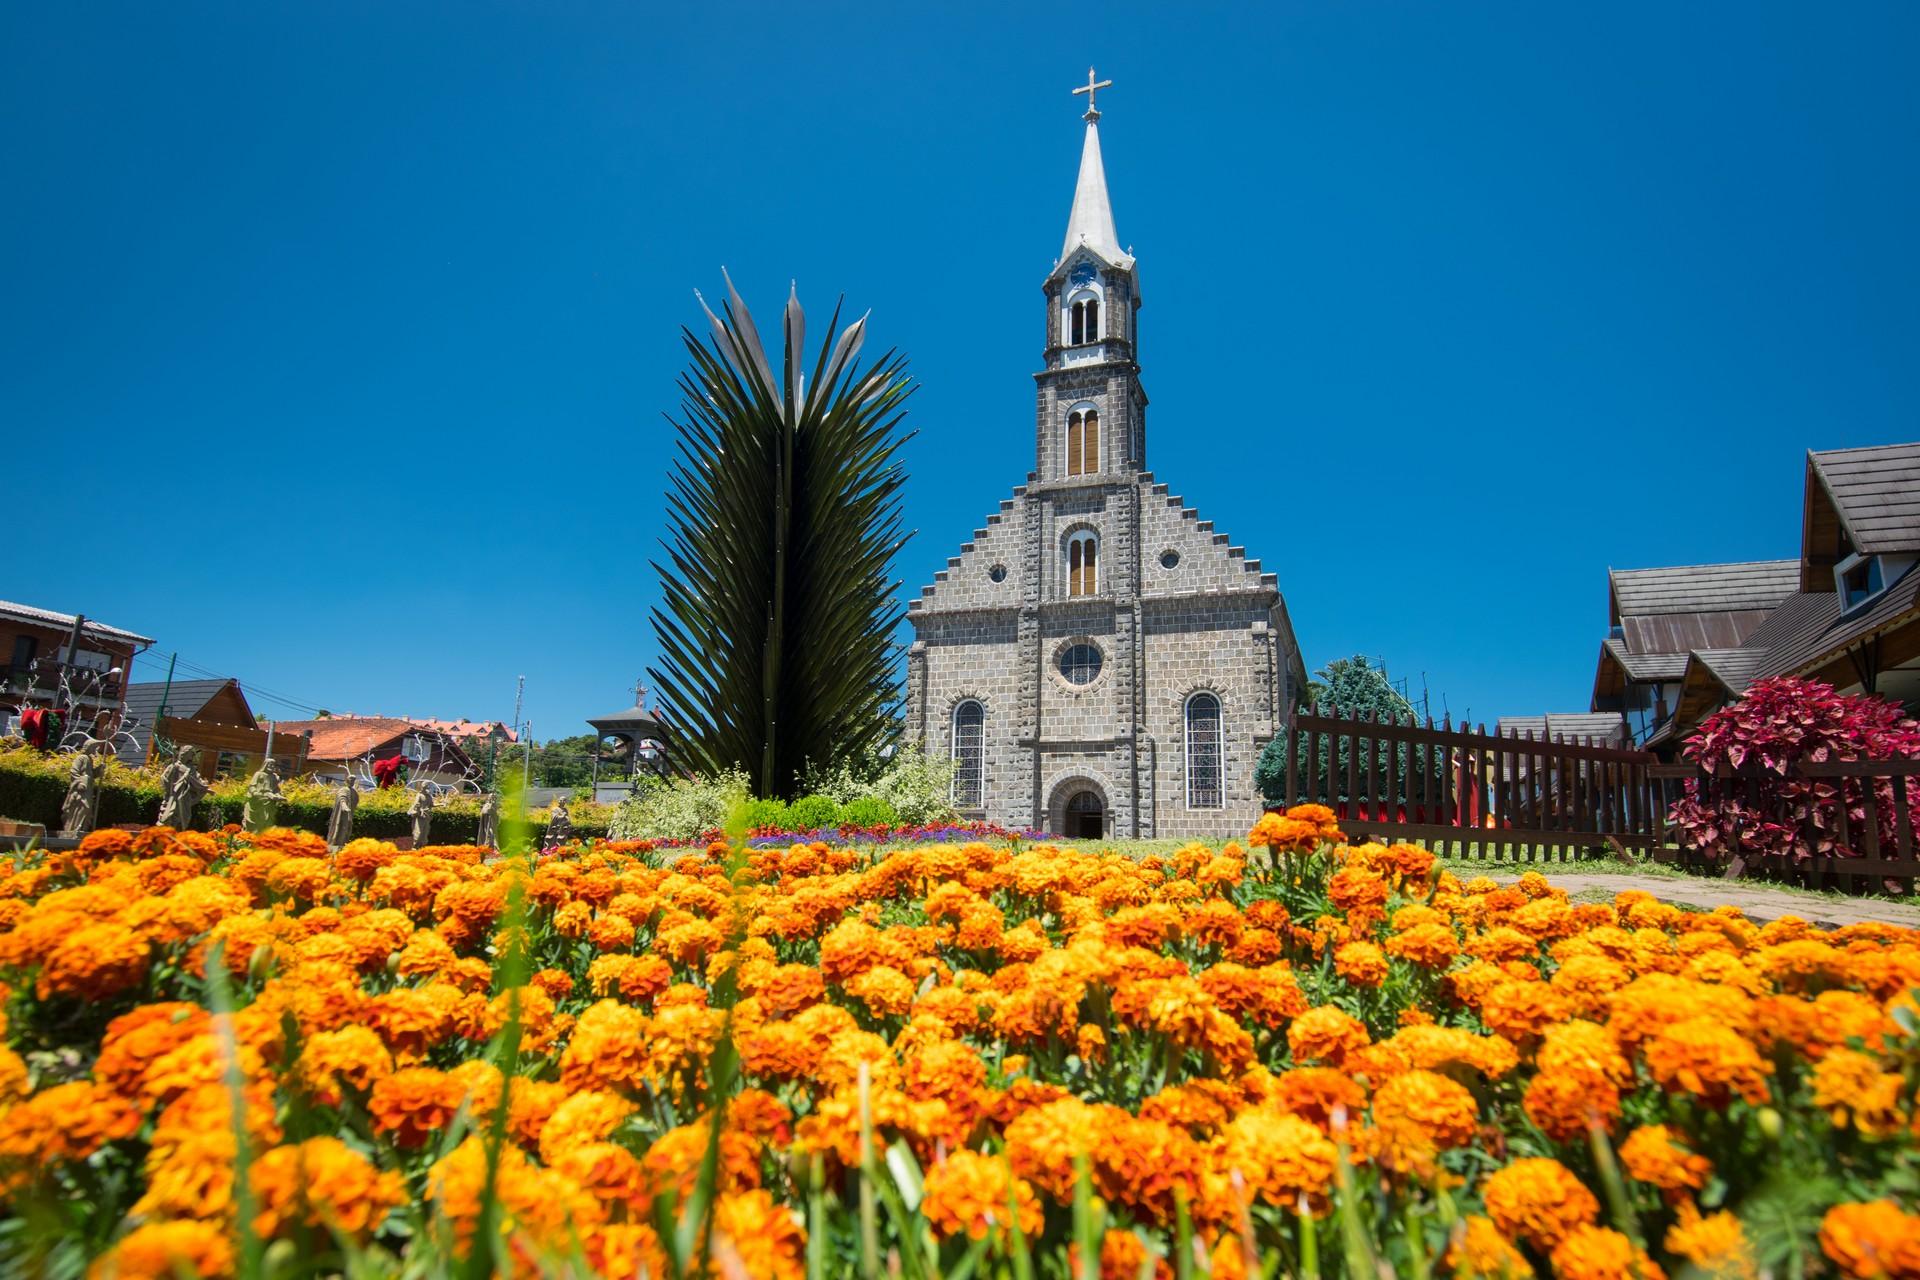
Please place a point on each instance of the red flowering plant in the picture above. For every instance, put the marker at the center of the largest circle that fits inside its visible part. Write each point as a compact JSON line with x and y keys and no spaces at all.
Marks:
{"x":1769,"y":809}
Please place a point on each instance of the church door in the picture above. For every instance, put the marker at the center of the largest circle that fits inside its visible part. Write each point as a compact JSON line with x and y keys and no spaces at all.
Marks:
{"x":1086,"y":817}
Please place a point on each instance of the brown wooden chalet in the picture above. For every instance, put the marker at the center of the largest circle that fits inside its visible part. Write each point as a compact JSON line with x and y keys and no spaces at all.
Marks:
{"x":210,"y":716}
{"x":1657,"y":619}
{"x":1852,"y":618}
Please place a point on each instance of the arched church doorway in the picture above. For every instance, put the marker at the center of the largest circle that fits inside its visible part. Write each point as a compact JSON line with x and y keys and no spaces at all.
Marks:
{"x":1086,"y":816}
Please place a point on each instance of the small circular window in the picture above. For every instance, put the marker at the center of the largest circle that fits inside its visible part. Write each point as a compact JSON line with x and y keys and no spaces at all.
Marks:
{"x":1169,"y":558}
{"x":998,"y":573}
{"x":1080,"y":663}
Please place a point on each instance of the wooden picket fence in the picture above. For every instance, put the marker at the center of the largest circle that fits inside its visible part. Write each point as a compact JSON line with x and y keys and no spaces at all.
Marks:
{"x":1885,"y":859}
{"x":1477,"y":793}
{"x":1530,"y":796}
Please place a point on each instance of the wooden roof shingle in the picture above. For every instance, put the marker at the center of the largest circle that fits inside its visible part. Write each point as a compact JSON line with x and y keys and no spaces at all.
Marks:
{"x":1702,"y":588}
{"x":1877,"y":493}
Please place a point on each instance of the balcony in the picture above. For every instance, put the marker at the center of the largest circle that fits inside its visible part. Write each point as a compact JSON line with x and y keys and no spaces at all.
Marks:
{"x":87,"y":686}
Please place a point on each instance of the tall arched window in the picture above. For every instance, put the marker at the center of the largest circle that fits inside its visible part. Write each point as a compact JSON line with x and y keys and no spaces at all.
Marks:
{"x":1205,"y":789}
{"x":969,"y":755}
{"x":1083,"y":564}
{"x":1083,"y":442}
{"x":1083,"y":321}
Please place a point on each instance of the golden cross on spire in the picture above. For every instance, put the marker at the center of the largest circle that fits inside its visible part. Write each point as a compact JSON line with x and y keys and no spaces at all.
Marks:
{"x":1088,"y":89}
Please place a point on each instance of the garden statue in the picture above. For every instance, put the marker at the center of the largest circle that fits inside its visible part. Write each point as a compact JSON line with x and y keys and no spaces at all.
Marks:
{"x":181,"y":787}
{"x":489,"y":833}
{"x":421,"y":811}
{"x":82,"y":805}
{"x":346,"y":798}
{"x":559,"y":822}
{"x":263,"y":798}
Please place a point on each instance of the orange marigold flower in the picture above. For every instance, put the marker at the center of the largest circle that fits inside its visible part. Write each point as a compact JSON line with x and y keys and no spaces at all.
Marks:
{"x":1424,"y":1110}
{"x":1564,"y":1106}
{"x":166,"y":1251}
{"x":1872,"y":1241}
{"x":1651,"y":1154}
{"x":413,"y":1104}
{"x":1361,"y":963}
{"x":1326,"y":1034}
{"x":1601,"y":1253}
{"x":95,"y":962}
{"x":1851,"y":1087}
{"x":1716,"y":1244}
{"x":588,"y":1116}
{"x":976,"y":1194}
{"x":322,"y":1182}
{"x":1479,"y":1250}
{"x":1315,"y":1094}
{"x":1281,"y":1157}
{"x":1539,"y":1201}
{"x":1708,"y":1059}
{"x":765,"y":1237}
{"x":332,"y":1062}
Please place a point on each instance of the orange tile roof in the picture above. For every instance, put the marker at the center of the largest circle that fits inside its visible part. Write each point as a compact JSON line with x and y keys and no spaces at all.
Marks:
{"x":348,"y":737}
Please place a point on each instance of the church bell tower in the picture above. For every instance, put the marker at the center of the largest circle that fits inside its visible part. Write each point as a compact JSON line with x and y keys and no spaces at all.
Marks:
{"x":1091,"y":421}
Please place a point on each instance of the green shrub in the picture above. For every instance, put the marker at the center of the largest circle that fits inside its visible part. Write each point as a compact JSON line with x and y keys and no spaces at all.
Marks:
{"x":762,"y":812}
{"x":813,"y":813}
{"x":32,"y":785}
{"x":679,"y":809}
{"x":916,"y":785}
{"x":868,"y":811}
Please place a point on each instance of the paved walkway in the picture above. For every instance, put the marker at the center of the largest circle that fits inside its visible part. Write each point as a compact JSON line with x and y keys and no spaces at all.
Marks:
{"x":1758,"y":901}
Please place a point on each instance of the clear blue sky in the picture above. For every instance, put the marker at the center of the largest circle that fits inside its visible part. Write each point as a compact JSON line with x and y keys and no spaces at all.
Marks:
{"x":335,"y":338}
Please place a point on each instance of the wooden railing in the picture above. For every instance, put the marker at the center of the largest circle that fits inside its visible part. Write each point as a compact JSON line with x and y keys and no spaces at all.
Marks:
{"x":1513,"y":795}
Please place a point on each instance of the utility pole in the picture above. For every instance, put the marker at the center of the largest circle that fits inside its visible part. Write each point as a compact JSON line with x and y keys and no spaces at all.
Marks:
{"x":153,"y":739}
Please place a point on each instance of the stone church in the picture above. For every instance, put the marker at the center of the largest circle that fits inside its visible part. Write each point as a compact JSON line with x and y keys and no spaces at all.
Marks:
{"x":1097,"y":660}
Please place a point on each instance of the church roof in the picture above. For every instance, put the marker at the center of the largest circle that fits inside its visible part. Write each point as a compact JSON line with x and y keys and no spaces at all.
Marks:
{"x":1091,"y":222}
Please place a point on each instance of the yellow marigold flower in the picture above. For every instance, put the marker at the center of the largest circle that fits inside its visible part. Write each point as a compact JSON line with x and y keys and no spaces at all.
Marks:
{"x":1424,"y":1110}
{"x":1601,"y":1253}
{"x":975,"y":1194}
{"x":166,"y":1251}
{"x":1539,"y":1201}
{"x":887,"y":992}
{"x":1872,"y":1241}
{"x":1652,"y":1155}
{"x":1565,"y":1106}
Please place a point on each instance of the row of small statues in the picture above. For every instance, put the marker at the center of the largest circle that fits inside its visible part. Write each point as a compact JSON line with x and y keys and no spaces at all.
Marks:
{"x":182,"y":787}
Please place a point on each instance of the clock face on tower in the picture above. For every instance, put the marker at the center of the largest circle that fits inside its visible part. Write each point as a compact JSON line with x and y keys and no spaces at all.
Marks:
{"x":1082,"y":274}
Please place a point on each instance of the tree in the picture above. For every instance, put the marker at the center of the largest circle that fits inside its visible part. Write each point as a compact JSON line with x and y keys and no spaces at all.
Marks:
{"x":775,"y":628}
{"x":1346,"y":687}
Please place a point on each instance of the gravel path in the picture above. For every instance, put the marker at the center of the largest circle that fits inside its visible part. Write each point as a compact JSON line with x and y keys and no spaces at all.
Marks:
{"x":1757,"y":901}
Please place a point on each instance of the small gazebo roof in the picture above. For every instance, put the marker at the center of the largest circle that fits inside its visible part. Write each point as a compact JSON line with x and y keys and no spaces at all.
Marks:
{"x":637,"y":716}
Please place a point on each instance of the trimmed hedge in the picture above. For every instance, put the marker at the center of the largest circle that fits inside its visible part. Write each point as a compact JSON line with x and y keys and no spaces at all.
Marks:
{"x":32,"y":785}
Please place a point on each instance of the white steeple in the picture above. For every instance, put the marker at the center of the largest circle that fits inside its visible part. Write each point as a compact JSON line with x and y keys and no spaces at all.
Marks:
{"x":1091,"y":222}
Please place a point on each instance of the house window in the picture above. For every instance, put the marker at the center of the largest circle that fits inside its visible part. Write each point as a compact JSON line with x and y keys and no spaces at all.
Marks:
{"x":1083,"y":441}
{"x":1204,"y":771}
{"x":969,"y":755}
{"x":1859,"y":579}
{"x":1080,"y":663}
{"x":1083,"y":564}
